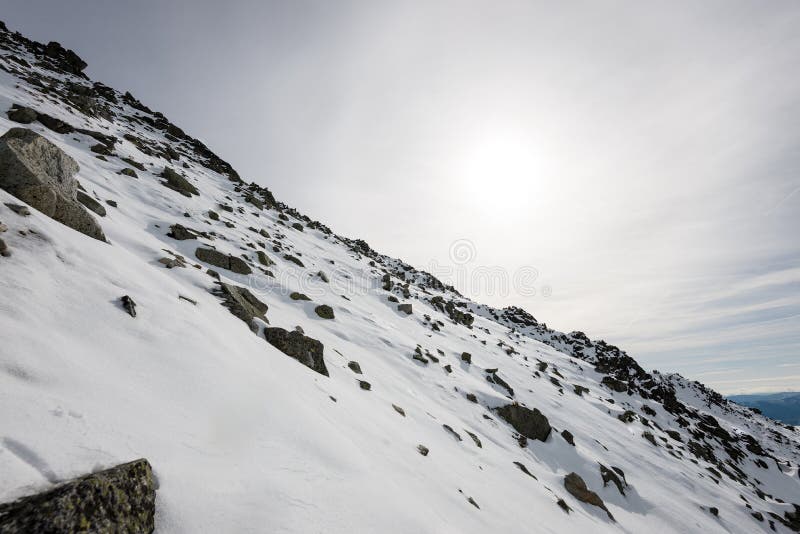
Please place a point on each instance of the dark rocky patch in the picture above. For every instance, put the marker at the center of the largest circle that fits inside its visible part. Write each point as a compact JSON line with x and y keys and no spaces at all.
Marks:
{"x":129,"y":305}
{"x":225,"y":261}
{"x":576,"y":487}
{"x":242,"y":303}
{"x":324,"y":311}
{"x":176,"y":182}
{"x":530,"y":423}
{"x":302,"y":348}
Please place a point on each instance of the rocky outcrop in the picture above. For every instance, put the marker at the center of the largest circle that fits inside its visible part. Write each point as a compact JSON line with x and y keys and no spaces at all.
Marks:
{"x":176,"y":182}
{"x":91,"y":203}
{"x":324,"y":311}
{"x":242,"y":303}
{"x":530,"y":423}
{"x":39,"y":173}
{"x":225,"y":261}
{"x":576,"y":487}
{"x":302,"y":348}
{"x":120,"y":499}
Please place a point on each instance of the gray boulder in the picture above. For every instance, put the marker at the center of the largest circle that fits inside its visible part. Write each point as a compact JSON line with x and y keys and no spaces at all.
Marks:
{"x":304,"y":349}
{"x":226,"y":261}
{"x":404,"y":308}
{"x":242,"y":303}
{"x":324,"y":311}
{"x":120,"y":499}
{"x":39,"y":173}
{"x":178,"y":183}
{"x":91,"y":203}
{"x":576,"y":487}
{"x":21,"y":114}
{"x":530,"y":423}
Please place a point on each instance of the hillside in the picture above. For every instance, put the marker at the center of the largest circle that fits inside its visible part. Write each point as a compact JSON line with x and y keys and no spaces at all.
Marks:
{"x":282,"y":378}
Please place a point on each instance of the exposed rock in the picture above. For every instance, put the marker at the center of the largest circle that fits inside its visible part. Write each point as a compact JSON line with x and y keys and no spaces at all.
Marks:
{"x":64,"y":59}
{"x":129,"y":305}
{"x":304,"y":349}
{"x":423,"y":450}
{"x":324,"y":311}
{"x":242,"y":303}
{"x":298,"y":227}
{"x":399,"y":410}
{"x":55,"y":124}
{"x":466,"y":357}
{"x":120,"y":499}
{"x":524,"y":469}
{"x":39,"y":173}
{"x":91,"y":203}
{"x":614,"y":384}
{"x":405,"y":308}
{"x":363,"y":384}
{"x":472,"y":398}
{"x":649,"y":437}
{"x":19,"y":209}
{"x":21,"y":114}
{"x":213,"y":215}
{"x":579,"y":390}
{"x":613,"y":475}
{"x":567,"y":435}
{"x":474,"y":438}
{"x":182,"y":233}
{"x":627,"y":416}
{"x":452,"y":432}
{"x":563,"y":505}
{"x":4,"y":250}
{"x":293,"y":259}
{"x":530,"y":423}
{"x":294,"y":295}
{"x":225,"y":261}
{"x":714,"y":511}
{"x":176,"y":182}
{"x":575,"y":485}
{"x":263,"y":259}
{"x":355,"y":367}
{"x":322,"y":276}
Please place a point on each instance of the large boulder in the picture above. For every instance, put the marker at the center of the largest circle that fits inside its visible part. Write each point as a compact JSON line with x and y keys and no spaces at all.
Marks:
{"x":39,"y":173}
{"x":530,"y":423}
{"x":120,"y":499}
{"x":242,"y":303}
{"x":302,"y":348}
{"x":178,"y":183}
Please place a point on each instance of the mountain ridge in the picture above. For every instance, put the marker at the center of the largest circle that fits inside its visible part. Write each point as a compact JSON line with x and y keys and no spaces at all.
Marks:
{"x":110,"y":132}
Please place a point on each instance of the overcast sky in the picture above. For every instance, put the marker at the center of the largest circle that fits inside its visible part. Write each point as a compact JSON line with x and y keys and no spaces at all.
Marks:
{"x":633,"y":166}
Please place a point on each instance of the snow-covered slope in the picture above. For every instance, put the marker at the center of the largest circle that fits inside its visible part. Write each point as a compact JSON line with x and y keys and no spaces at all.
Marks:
{"x":244,"y":438}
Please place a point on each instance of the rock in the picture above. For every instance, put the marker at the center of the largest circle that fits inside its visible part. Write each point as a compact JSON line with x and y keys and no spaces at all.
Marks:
{"x":213,"y":215}
{"x":298,"y":227}
{"x":423,"y":450}
{"x":19,"y":209}
{"x":405,"y":308}
{"x":103,"y":150}
{"x":65,"y":59}
{"x":524,"y":469}
{"x":182,"y":233}
{"x":127,"y":171}
{"x":91,"y":203}
{"x":614,"y":384}
{"x":363,"y":384}
{"x":649,"y":437}
{"x":563,"y":505}
{"x":242,"y":303}
{"x":3,"y":228}
{"x":579,"y":390}
{"x":473,"y":503}
{"x":399,"y":410}
{"x":355,"y":367}
{"x":176,"y":182}
{"x":627,"y":417}
{"x":448,"y":368}
{"x":129,"y":305}
{"x":613,"y":475}
{"x":21,"y":114}
{"x":293,"y":259}
{"x":530,"y":423}
{"x":225,"y":261}
{"x":575,"y":485}
{"x":39,"y":173}
{"x":304,"y":349}
{"x":466,"y":357}
{"x":474,"y":438}
{"x":263,"y":259}
{"x":452,"y":432}
{"x":4,"y":251}
{"x":112,"y":203}
{"x":472,"y":398}
{"x":392,"y":298}
{"x":54,"y":124}
{"x":714,"y":511}
{"x":567,"y":435}
{"x":324,"y":311}
{"x":294,"y":295}
{"x":120,"y":499}
{"x":323,"y":277}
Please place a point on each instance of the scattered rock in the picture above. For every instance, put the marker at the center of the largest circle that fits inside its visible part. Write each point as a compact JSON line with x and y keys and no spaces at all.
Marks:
{"x":298,"y":227}
{"x":579,"y":390}
{"x":176,"y":182}
{"x":575,"y":485}
{"x":567,"y":435}
{"x":293,"y":259}
{"x":129,"y":305}
{"x":472,"y":398}
{"x":127,"y":171}
{"x":182,"y":233}
{"x":525,"y":470}
{"x":627,"y":417}
{"x":294,"y":295}
{"x":242,"y":303}
{"x":225,"y":261}
{"x":473,"y":503}
{"x":19,"y":209}
{"x":39,"y":173}
{"x":714,"y":511}
{"x":563,"y":505}
{"x":304,"y":349}
{"x":91,"y":203}
{"x":613,"y":475}
{"x":363,"y":384}
{"x":324,"y":277}
{"x":324,"y":311}
{"x":466,"y":357}
{"x":120,"y":499}
{"x":112,"y":203}
{"x":649,"y":437}
{"x":474,"y":438}
{"x":405,"y":308}
{"x":452,"y":432}
{"x":530,"y":423}
{"x":263,"y":259}
{"x":355,"y":367}
{"x":21,"y":114}
{"x":213,"y":215}
{"x":399,"y":410}
{"x":423,"y":450}
{"x":4,"y":250}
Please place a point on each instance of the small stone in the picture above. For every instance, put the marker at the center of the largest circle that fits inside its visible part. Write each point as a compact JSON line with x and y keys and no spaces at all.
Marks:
{"x":423,"y":450}
{"x":21,"y":114}
{"x":111,"y":203}
{"x":466,"y":357}
{"x":399,"y":410}
{"x":127,"y":171}
{"x":714,"y":511}
{"x":294,"y":295}
{"x":567,"y":435}
{"x":363,"y":384}
{"x":4,"y":251}
{"x":213,"y":215}
{"x":129,"y":305}
{"x":19,"y":209}
{"x":472,"y":398}
{"x":355,"y":367}
{"x":405,"y":308}
{"x":324,"y":311}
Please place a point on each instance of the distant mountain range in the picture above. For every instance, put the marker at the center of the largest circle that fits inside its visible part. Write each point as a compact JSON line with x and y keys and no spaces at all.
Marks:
{"x":779,"y":406}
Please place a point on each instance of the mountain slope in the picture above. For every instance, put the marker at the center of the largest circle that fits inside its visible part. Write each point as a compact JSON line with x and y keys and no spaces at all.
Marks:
{"x":244,"y":438}
{"x":779,"y":406}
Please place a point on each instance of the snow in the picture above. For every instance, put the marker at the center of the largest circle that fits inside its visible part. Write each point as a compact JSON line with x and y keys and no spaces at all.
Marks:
{"x":243,"y":438}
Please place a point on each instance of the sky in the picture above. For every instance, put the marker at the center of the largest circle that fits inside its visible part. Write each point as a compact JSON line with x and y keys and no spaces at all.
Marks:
{"x":629,"y":169}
